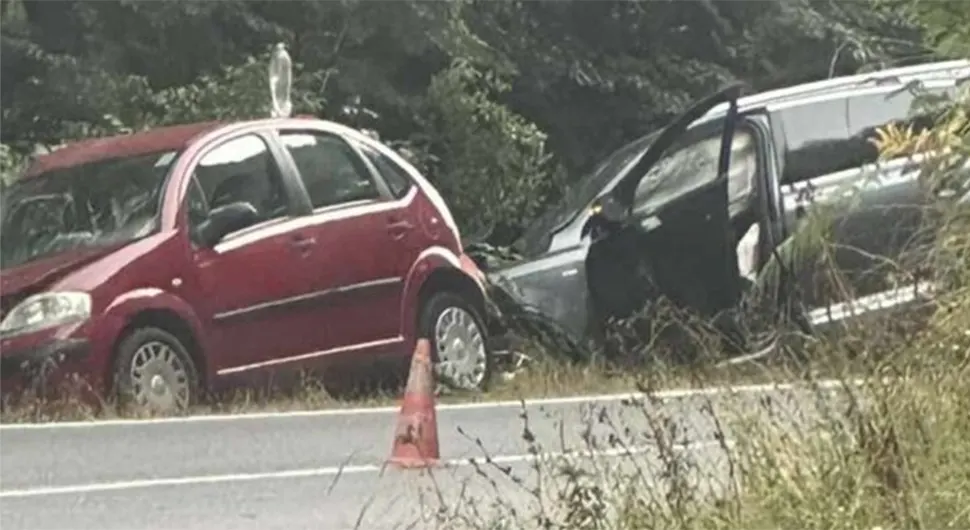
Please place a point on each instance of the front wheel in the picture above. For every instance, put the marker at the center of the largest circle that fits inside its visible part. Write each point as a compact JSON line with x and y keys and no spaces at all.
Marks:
{"x":459,"y":343}
{"x":154,"y":372}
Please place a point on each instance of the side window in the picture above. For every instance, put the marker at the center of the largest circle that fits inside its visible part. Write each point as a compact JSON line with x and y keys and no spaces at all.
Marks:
{"x":817,"y":136}
{"x":331,"y":171}
{"x":873,"y":111}
{"x":695,"y":164}
{"x":198,"y":206}
{"x":240,"y":170}
{"x":824,"y":138}
{"x":394,"y":175}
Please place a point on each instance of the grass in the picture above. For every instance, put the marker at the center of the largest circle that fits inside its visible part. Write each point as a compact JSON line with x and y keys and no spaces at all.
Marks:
{"x":890,"y":454}
{"x":540,"y":380}
{"x":543,"y":378}
{"x":894,"y":454}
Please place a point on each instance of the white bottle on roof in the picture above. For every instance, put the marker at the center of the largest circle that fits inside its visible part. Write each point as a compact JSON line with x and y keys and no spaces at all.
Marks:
{"x":280,"y":81}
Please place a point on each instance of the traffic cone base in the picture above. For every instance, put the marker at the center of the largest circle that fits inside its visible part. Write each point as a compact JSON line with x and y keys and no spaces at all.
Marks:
{"x":416,"y":435}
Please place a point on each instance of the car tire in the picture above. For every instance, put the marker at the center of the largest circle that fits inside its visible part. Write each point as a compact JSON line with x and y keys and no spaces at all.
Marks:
{"x":451,"y":323}
{"x":154,"y":372}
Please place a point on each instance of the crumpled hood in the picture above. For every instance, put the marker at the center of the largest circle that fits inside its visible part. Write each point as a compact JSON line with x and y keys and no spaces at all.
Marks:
{"x":35,"y":276}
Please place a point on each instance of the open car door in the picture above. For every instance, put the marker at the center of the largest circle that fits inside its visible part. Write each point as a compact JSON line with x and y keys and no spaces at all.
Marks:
{"x":680,"y":246}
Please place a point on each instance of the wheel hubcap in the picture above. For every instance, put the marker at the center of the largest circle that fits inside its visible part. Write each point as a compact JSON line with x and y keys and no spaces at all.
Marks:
{"x":158,"y":385}
{"x":461,"y":349}
{"x":159,"y":378}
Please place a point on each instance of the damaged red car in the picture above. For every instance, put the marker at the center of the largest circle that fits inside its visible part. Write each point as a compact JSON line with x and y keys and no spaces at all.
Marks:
{"x":160,"y":264}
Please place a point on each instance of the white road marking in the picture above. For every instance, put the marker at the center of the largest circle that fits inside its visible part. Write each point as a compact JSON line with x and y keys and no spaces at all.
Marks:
{"x":824,"y":384}
{"x":330,"y":471}
{"x":881,"y":301}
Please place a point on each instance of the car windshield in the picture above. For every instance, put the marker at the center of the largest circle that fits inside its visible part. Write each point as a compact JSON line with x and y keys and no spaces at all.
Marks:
{"x":577,"y":197}
{"x":88,"y":206}
{"x":692,"y":164}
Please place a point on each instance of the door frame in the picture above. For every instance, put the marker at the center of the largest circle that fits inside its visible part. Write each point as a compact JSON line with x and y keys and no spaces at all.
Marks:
{"x":616,"y":206}
{"x":622,"y":194}
{"x":293,"y":219}
{"x":385,"y":204}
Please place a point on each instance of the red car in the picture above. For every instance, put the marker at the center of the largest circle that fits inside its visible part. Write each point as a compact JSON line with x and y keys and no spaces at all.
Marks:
{"x":158,"y":264}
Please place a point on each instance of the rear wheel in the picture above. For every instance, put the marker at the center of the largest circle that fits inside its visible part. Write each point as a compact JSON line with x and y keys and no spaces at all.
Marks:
{"x":154,"y":372}
{"x":459,"y":347}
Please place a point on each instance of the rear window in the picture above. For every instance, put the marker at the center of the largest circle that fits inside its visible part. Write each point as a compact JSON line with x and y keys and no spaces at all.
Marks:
{"x":831,"y":136}
{"x":394,"y":175}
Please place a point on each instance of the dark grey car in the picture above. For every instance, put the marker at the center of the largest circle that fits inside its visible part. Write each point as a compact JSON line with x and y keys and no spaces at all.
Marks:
{"x":668,"y":213}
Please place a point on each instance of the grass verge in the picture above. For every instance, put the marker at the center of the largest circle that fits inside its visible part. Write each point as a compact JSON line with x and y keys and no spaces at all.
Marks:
{"x":894,"y":454}
{"x":543,"y":378}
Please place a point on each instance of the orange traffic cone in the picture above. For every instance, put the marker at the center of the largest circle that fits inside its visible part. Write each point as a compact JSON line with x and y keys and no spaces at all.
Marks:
{"x":416,"y":435}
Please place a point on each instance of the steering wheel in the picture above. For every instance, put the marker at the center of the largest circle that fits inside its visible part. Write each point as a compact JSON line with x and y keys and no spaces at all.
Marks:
{"x":36,"y":239}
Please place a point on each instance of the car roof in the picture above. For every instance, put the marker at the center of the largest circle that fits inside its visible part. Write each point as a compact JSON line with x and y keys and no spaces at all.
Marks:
{"x":169,"y":138}
{"x":958,"y":70}
{"x":953,"y":71}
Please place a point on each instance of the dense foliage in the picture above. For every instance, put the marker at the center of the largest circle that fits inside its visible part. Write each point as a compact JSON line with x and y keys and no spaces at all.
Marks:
{"x":501,"y":102}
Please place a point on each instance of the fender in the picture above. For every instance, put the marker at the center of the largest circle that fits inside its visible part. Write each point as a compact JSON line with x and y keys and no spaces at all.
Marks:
{"x":122,"y":309}
{"x":429,"y":261}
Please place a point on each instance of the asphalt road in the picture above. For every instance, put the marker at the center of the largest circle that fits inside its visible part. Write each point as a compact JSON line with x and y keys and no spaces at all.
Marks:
{"x":326,"y":469}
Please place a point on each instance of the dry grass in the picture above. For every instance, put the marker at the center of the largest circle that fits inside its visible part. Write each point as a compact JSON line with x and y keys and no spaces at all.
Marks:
{"x":540,"y":380}
{"x":892,"y":453}
{"x":543,"y":378}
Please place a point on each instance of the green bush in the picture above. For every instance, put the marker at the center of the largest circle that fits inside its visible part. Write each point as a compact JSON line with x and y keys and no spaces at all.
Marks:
{"x":490,"y":164}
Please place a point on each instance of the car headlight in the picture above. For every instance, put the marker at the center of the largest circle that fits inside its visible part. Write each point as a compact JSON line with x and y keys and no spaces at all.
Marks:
{"x":46,"y":310}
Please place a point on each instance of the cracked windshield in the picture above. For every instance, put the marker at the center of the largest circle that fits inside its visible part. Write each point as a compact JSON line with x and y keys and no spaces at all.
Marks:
{"x":83,"y":207}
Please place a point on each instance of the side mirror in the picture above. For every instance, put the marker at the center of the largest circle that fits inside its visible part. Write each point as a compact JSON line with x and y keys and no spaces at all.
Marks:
{"x":226,"y":219}
{"x":606,"y":215}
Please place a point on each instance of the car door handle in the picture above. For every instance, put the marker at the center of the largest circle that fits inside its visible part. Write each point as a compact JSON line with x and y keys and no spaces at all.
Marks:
{"x":303,"y":243}
{"x":397,"y":229}
{"x":399,"y":225}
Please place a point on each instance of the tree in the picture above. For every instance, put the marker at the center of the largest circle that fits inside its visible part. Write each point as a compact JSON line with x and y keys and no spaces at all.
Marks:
{"x":556,"y":83}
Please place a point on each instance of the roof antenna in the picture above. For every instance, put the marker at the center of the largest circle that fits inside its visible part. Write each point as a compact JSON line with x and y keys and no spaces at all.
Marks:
{"x":280,"y":81}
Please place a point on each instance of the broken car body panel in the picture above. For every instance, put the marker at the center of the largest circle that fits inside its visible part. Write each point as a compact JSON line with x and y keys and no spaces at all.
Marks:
{"x":542,"y":282}
{"x":639,"y":253}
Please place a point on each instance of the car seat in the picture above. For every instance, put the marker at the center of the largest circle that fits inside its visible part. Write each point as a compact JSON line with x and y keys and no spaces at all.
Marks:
{"x":241,"y":187}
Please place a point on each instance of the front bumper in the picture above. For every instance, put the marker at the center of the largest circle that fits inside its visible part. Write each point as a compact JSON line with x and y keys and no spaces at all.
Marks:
{"x":50,"y":354}
{"x":494,"y":319}
{"x":42,"y":361}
